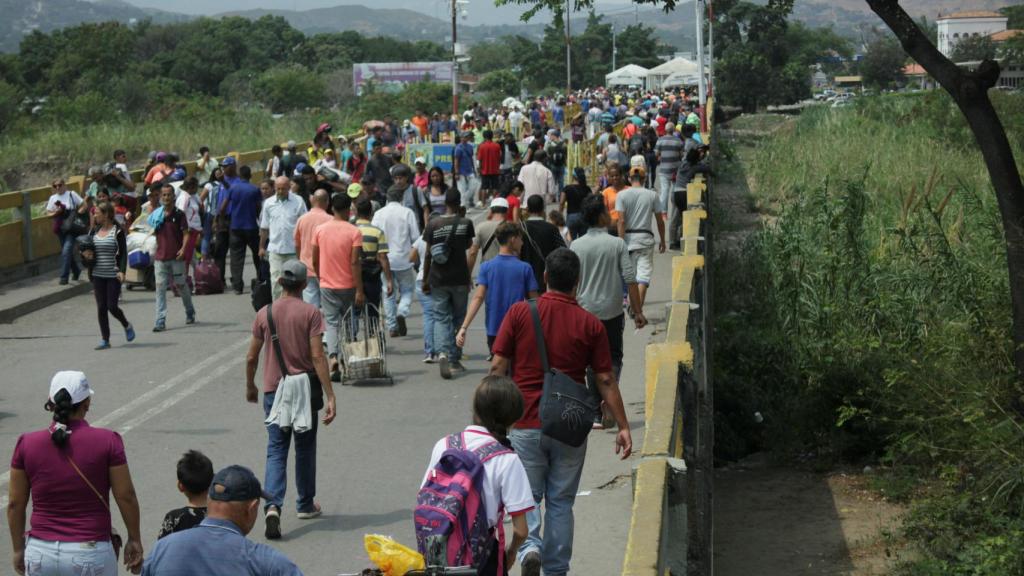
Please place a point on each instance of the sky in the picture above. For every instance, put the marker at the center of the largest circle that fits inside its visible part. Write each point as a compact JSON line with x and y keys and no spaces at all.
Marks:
{"x":478,"y":11}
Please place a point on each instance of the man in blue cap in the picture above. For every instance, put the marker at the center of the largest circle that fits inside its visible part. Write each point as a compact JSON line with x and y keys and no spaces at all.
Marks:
{"x":218,"y":546}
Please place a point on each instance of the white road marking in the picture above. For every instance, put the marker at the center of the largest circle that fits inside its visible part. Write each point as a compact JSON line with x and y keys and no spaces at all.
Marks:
{"x":228,"y":364}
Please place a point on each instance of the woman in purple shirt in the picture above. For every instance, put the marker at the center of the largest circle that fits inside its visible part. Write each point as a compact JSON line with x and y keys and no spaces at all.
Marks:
{"x":69,"y":470}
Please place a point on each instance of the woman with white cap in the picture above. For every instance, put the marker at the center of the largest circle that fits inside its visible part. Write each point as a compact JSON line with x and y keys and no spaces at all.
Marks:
{"x":69,"y":470}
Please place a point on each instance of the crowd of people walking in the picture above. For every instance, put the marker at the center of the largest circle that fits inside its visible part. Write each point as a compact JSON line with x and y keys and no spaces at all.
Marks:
{"x":560,"y":260}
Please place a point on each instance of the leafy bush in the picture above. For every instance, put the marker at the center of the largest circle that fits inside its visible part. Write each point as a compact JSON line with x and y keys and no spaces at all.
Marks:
{"x":9,"y":102}
{"x":290,"y":88}
{"x":871,"y":320}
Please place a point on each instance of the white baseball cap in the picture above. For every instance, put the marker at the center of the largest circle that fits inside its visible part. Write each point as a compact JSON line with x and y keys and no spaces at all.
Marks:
{"x":74,"y":382}
{"x":499,"y":203}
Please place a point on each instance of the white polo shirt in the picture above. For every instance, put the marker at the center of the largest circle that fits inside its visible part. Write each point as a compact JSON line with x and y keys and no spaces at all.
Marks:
{"x":279,"y":218}
{"x":506,"y":485}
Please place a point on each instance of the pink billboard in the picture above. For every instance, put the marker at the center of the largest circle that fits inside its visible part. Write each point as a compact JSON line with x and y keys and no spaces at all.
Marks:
{"x":393,"y":76}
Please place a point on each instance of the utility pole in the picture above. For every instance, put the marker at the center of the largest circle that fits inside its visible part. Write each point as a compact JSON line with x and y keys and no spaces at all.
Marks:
{"x":701,"y":86}
{"x":711,"y":49}
{"x":455,"y":56}
{"x":568,"y":49}
{"x":614,"y":49}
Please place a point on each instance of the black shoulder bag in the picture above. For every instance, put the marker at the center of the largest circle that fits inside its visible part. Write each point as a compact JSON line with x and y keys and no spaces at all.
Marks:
{"x":566,"y":411}
{"x":316,"y":390}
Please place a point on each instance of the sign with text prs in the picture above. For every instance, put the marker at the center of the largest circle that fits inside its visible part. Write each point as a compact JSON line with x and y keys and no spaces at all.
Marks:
{"x":394,"y":76}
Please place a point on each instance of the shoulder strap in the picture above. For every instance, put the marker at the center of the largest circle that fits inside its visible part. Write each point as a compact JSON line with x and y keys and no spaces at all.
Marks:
{"x":533,"y":245}
{"x":488,"y":243}
{"x":538,"y":334}
{"x":94,"y":490}
{"x":455,"y":441}
{"x":492,"y":449}
{"x":274,"y":339}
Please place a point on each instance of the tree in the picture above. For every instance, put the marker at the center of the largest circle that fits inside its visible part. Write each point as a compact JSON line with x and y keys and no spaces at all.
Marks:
{"x":500,"y":83}
{"x":290,"y":88}
{"x":883,"y":63}
{"x":973,"y":49}
{"x":638,"y":44}
{"x":1015,"y":15}
{"x":9,"y":101}
{"x":969,"y":90}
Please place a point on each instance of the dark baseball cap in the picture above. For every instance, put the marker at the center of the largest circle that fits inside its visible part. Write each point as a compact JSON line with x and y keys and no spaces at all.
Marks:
{"x":236,"y":484}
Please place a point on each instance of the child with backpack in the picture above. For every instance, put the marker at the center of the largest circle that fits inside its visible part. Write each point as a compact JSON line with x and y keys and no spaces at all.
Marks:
{"x":473,"y":480}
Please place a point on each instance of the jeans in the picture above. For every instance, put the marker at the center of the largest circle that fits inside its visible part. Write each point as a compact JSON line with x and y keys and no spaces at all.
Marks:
{"x":449,"y":311}
{"x":68,"y":263}
{"x":46,"y":558}
{"x":240,"y":240}
{"x":577,"y":227}
{"x":404,"y":283}
{"x":165,"y":270}
{"x":107,"y":291}
{"x":275,"y":482}
{"x":467,"y":189}
{"x":559,"y":173}
{"x":311,"y":295}
{"x":664,"y":182}
{"x":276,"y":263}
{"x":554,"y":470}
{"x":335,"y":304}
{"x":427,"y":304}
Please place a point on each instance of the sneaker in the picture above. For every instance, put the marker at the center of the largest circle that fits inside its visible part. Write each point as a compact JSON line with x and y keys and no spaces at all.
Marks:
{"x":457,"y":366}
{"x":75,"y":276}
{"x":531,"y":564}
{"x":273,"y":521}
{"x":446,"y":369}
{"x":401,"y":326}
{"x":429,"y":359}
{"x":190,"y":319}
{"x":314,"y":513}
{"x":393,"y":333}
{"x":129,"y":333}
{"x":160,"y":327}
{"x":103,"y":345}
{"x":63,"y":281}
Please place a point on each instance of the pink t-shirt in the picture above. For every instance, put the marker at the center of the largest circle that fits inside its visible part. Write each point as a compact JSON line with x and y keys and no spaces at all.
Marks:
{"x":64,"y":508}
{"x":336,"y":240}
{"x":304,"y":229}
{"x":296,"y":323}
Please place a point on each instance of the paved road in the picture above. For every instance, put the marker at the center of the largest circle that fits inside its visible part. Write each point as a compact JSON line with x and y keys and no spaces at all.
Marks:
{"x":184,"y":388}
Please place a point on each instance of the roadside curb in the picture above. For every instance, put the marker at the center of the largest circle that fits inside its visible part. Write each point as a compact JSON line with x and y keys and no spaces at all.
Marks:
{"x":11,"y":313}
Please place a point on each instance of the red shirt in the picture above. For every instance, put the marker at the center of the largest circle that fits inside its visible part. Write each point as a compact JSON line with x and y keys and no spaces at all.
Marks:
{"x":513,"y":206}
{"x":171,"y":235}
{"x":662,"y":121}
{"x":64,"y":508}
{"x":489,"y":153}
{"x":296,"y":323}
{"x":575,"y":340}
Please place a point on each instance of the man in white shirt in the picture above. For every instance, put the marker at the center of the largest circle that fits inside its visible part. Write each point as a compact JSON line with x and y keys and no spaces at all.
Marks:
{"x":637,"y":206}
{"x":515,"y":121}
{"x":188,"y":202}
{"x":401,"y":229}
{"x":278,"y":218}
{"x":537,"y":179}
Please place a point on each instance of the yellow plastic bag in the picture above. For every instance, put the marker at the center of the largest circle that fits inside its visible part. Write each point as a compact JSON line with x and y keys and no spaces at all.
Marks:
{"x":392,"y":558}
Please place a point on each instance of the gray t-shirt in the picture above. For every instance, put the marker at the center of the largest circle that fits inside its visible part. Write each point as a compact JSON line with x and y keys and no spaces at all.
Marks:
{"x":604,"y":265}
{"x":484,"y":232}
{"x":636,"y":207}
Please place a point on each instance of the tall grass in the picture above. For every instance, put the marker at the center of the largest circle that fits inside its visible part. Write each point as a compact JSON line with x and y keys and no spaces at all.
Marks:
{"x":871,"y":321}
{"x":45,"y":151}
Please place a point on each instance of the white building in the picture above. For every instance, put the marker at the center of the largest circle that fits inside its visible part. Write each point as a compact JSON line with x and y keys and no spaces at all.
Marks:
{"x":959,"y":25}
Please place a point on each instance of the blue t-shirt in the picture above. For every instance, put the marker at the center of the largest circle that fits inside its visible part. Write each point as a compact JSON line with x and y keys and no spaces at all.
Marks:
{"x":215,"y":548}
{"x":244,"y":202}
{"x":508,"y":280}
{"x":559,"y":114}
{"x":464,"y":152}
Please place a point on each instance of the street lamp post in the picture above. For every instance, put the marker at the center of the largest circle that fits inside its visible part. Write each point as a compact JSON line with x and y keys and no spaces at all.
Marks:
{"x":455,"y":56}
{"x":568,"y":49}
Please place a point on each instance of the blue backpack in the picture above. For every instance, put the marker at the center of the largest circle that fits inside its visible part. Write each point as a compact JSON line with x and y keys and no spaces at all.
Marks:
{"x":450,"y":515}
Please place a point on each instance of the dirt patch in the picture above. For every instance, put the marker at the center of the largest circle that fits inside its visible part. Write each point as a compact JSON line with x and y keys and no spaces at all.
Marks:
{"x":784,"y":521}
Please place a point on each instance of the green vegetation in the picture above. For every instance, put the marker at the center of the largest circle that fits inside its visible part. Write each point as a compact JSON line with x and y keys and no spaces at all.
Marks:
{"x":870,"y":321}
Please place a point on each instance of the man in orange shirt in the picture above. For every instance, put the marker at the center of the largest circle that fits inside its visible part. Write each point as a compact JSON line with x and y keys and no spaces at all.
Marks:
{"x":337,"y":255}
{"x":615,"y":184}
{"x":420,"y":121}
{"x":304,"y":230}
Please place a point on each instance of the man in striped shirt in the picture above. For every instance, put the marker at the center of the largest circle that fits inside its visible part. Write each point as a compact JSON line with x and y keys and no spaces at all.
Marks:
{"x":669,"y":150}
{"x":375,"y":257}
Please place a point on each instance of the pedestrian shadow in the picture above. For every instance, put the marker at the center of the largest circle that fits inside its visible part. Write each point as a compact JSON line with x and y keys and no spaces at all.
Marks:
{"x":349,"y":522}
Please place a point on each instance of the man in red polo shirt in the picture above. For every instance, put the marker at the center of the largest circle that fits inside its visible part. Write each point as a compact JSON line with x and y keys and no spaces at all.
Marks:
{"x":576,"y":340}
{"x":489,"y":154}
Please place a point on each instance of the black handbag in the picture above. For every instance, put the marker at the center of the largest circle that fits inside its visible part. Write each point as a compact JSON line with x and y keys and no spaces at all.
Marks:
{"x":566,"y":411}
{"x":75,"y":224}
{"x":316,"y":389}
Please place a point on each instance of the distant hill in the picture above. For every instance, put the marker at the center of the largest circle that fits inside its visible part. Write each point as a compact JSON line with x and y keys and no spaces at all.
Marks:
{"x":21,"y":17}
{"x":847,"y":16}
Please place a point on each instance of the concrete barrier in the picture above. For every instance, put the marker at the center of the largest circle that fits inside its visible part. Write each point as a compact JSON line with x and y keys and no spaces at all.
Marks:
{"x":670,"y":527}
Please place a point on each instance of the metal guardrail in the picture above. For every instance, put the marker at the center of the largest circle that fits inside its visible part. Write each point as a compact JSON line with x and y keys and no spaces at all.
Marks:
{"x":671,"y":526}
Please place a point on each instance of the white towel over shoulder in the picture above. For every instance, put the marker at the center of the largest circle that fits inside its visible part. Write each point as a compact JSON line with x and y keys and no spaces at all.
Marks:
{"x":292,"y":407}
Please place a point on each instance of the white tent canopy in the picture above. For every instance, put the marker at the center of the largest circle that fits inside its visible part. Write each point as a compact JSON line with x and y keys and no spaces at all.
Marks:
{"x":628,"y":75}
{"x":677,"y":79}
{"x":680,"y":68}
